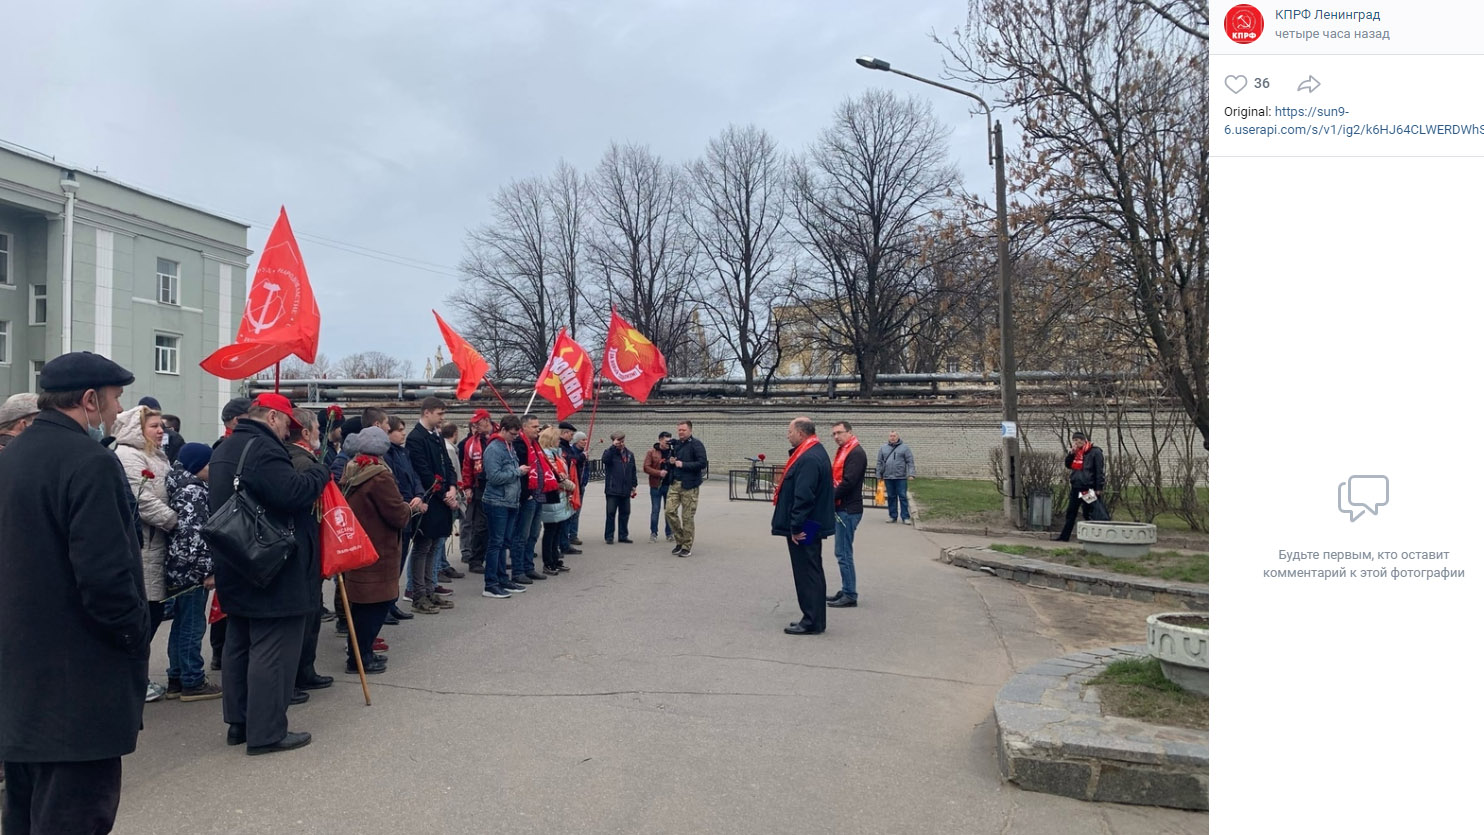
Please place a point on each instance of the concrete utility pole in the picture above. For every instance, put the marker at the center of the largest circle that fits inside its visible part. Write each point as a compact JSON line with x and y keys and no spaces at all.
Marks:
{"x":1007,"y":324}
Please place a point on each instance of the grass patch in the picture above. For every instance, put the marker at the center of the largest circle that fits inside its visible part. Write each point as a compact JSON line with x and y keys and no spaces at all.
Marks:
{"x":976,"y":501}
{"x":1166,"y":565}
{"x":1135,"y":688}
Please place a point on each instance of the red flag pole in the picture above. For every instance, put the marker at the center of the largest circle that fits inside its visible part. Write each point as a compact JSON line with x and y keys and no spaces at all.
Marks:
{"x":277,"y":366}
{"x":597,"y":384}
{"x":497,"y":394}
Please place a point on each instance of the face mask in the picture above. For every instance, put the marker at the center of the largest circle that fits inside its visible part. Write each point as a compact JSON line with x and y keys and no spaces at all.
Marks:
{"x":94,"y":432}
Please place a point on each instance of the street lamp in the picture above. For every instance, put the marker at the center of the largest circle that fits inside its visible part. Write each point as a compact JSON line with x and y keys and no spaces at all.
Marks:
{"x":1007,"y":330}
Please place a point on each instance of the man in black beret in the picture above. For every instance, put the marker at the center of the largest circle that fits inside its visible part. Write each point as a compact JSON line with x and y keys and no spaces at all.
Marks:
{"x":72,"y":582}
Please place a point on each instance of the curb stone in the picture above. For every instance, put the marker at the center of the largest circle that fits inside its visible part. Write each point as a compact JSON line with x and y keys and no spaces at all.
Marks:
{"x":1052,"y":737}
{"x":1052,"y":575}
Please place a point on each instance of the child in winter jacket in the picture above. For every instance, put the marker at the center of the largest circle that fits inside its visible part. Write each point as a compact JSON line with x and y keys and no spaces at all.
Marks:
{"x":189,"y":575}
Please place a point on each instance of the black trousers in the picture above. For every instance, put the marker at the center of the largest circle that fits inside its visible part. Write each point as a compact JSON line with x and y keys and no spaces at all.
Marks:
{"x":61,"y":798}
{"x":808,"y":568}
{"x":621,"y":507}
{"x":1095,"y":512}
{"x":218,"y":632}
{"x":308,"y":649}
{"x":258,"y":665}
{"x":368,"y":619}
{"x":551,"y":545}
{"x":473,"y":531}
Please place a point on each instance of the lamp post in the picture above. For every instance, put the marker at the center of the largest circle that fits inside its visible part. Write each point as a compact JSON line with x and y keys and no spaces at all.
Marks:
{"x":1007,"y":330}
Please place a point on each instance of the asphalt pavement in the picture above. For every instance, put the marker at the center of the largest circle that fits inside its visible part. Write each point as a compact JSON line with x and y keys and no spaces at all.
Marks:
{"x":642,"y":692}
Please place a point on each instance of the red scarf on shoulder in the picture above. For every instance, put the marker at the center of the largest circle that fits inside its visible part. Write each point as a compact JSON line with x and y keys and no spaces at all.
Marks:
{"x":838,"y":471}
{"x":799,"y":450}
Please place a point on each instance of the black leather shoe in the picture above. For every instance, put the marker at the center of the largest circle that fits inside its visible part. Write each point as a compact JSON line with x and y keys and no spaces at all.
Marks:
{"x":236,"y":734}
{"x":401,"y":615}
{"x":372,"y":667}
{"x":316,"y":683}
{"x":299,"y":697}
{"x":572,"y":551}
{"x":795,"y":629}
{"x":626,"y":539}
{"x":390,"y":620}
{"x":290,"y":741}
{"x":476,"y":568}
{"x":841,"y":603}
{"x":835,"y":596}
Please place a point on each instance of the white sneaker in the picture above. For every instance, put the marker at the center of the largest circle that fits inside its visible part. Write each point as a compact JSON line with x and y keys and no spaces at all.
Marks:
{"x":153,"y":692}
{"x":654,"y":538}
{"x":498,"y":595}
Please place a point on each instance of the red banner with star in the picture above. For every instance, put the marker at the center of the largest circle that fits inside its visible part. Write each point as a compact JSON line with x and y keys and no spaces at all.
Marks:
{"x":631,"y":360}
{"x":567,"y":380}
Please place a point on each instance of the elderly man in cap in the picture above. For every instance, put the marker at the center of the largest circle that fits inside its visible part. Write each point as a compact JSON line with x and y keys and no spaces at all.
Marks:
{"x":473,"y":530}
{"x":74,"y":625}
{"x":16,"y":415}
{"x":265,"y":625}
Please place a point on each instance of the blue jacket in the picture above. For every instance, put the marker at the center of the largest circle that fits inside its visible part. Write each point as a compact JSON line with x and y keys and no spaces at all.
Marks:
{"x":620,"y":478}
{"x":895,"y":462}
{"x":401,"y":465}
{"x":502,"y":478}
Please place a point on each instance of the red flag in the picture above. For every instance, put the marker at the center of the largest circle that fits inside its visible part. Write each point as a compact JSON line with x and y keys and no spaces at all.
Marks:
{"x":472,"y":366}
{"x":567,"y":379}
{"x":280,"y":317}
{"x":631,"y":360}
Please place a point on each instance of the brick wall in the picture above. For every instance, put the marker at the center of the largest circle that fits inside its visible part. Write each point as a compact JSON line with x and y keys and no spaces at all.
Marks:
{"x":948,"y":440}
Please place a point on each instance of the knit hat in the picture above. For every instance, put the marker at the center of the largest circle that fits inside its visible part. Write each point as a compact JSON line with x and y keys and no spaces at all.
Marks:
{"x":192,"y":457}
{"x":150,"y":402}
{"x":372,"y":441}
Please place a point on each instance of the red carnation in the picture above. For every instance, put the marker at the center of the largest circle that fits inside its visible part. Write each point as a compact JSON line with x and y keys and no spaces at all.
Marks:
{"x":366,"y":460}
{"x":147,"y":474}
{"x":761,"y":457}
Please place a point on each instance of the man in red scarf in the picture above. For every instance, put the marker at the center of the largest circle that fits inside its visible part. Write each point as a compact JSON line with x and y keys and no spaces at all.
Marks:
{"x":849,"y":473}
{"x":804,"y":511}
{"x":1087,"y":476}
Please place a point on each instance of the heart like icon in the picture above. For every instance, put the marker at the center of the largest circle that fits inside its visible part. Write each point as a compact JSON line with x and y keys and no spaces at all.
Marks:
{"x":1236,"y":83}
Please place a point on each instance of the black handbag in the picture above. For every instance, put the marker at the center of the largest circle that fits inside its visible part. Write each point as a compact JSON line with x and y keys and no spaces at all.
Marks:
{"x":243,"y":537}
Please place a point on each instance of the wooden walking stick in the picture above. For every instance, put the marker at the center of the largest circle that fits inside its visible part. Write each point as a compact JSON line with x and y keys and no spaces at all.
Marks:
{"x":355,"y":648}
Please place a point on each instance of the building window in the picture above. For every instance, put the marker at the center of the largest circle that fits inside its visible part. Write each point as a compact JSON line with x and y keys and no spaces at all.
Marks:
{"x":952,"y":365}
{"x":167,"y":274}
{"x":4,"y":343}
{"x":36,"y":366}
{"x":167,"y":353}
{"x":38,"y":304}
{"x":4,"y":258}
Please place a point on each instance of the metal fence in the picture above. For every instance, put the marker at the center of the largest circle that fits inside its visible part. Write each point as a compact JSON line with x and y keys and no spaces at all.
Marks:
{"x":756,"y":484}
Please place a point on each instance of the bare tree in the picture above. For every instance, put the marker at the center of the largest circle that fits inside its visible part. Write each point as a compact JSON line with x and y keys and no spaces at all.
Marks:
{"x":507,"y":302}
{"x":864,"y":195}
{"x":1114,"y":96}
{"x":642,"y":251}
{"x":736,"y":216}
{"x":373,"y":365}
{"x":566,"y":200}
{"x":293,"y":368}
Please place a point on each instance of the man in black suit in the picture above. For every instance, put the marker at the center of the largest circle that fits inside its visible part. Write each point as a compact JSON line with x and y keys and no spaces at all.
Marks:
{"x":804,"y":511}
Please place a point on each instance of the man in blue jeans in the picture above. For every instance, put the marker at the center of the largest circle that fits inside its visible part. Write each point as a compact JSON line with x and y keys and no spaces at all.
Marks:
{"x":849,"y":473}
{"x":658,"y":471}
{"x":528,"y":523}
{"x":503,"y":477}
{"x":894,"y":465}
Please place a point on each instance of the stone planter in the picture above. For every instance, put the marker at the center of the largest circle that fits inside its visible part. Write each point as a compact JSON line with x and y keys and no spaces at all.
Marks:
{"x":1117,"y":539}
{"x":1183,"y":650}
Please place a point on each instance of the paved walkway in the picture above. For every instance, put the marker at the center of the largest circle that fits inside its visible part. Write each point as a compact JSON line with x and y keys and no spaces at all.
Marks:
{"x":647,"y":693}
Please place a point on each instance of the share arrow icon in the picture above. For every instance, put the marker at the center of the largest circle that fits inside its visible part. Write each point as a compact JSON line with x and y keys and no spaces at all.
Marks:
{"x":1310,"y":84}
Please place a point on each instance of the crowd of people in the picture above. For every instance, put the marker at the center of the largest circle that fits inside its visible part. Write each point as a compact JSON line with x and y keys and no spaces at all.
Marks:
{"x":119,"y":514}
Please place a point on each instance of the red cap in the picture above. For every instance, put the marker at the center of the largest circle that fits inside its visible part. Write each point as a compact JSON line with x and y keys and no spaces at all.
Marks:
{"x":278,"y":403}
{"x":480,"y":414}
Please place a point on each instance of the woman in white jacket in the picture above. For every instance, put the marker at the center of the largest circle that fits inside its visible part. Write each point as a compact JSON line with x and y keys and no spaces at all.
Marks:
{"x":139,"y":436}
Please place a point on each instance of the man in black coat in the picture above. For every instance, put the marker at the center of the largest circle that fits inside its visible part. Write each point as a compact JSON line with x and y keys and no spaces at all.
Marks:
{"x":265,"y":626}
{"x":1086,"y":478}
{"x":804,"y":511}
{"x":620,"y":482}
{"x":434,"y":469}
{"x":687,"y":465}
{"x":74,"y":624}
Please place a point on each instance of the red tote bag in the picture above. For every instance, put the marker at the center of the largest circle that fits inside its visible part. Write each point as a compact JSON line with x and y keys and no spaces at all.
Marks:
{"x":343,"y":543}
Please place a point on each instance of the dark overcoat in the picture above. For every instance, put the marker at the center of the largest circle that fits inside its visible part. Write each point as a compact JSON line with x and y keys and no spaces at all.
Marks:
{"x":808,"y":492}
{"x":430,"y":461}
{"x":74,"y":624}
{"x":289,"y":496}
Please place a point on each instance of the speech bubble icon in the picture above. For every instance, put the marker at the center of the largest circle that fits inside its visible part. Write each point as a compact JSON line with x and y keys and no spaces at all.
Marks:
{"x":1363,"y":493}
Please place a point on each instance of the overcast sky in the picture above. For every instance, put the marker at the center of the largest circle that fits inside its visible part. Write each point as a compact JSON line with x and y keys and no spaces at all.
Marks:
{"x":388,"y":126}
